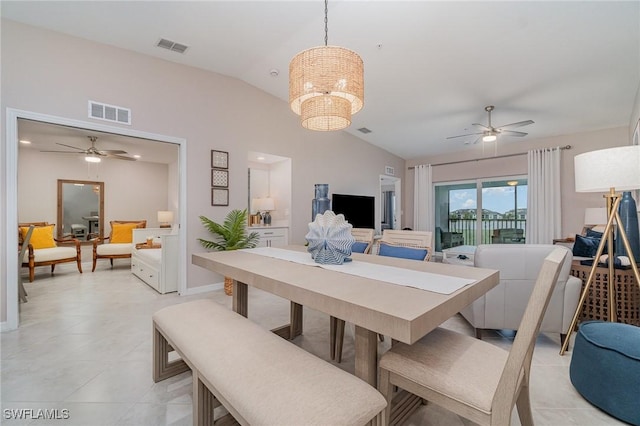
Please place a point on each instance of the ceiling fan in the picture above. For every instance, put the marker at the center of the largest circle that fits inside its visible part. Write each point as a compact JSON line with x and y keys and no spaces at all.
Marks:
{"x":93,"y":154}
{"x":490,"y":133}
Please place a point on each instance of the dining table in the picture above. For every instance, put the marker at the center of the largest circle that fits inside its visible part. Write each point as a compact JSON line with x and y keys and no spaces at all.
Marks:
{"x":399,"y":298}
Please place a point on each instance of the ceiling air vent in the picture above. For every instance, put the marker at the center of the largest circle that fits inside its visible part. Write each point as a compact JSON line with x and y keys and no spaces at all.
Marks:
{"x":364,"y":130}
{"x":172,"y":45}
{"x":111,"y":113}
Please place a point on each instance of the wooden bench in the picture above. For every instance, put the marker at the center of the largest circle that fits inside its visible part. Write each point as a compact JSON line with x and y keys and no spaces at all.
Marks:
{"x":260,"y":378}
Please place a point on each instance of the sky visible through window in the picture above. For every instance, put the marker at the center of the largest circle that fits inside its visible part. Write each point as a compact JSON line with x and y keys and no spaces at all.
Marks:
{"x":498,"y":199}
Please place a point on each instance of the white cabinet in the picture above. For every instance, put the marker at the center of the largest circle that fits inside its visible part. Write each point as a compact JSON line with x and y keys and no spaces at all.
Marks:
{"x":157,"y":267}
{"x":272,"y":236}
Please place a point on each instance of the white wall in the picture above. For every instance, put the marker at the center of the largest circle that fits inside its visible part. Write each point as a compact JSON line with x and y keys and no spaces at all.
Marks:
{"x":51,"y":73}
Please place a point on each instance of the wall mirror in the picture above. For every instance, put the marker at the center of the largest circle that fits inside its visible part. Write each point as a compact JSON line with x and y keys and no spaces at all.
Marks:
{"x":80,"y":209}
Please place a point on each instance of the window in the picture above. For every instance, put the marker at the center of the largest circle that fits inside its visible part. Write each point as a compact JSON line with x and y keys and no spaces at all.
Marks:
{"x":481,"y":212}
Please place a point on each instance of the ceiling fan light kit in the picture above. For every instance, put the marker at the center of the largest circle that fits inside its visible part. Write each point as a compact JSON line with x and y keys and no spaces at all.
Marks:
{"x":490,"y":133}
{"x":326,"y":85}
{"x":92,"y":159}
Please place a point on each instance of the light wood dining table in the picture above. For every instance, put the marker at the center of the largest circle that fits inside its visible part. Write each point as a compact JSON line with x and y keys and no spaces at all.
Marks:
{"x":375,"y":307}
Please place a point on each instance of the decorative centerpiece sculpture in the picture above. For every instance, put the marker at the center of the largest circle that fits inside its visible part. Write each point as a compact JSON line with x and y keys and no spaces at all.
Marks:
{"x":330,"y":239}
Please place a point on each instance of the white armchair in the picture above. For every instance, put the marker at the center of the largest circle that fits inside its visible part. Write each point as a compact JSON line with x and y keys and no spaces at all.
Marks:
{"x":519,"y":265}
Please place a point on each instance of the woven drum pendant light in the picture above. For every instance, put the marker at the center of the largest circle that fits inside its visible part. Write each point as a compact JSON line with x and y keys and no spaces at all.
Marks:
{"x":326,"y":85}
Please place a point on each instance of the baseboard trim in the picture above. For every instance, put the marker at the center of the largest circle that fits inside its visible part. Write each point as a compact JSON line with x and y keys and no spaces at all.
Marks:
{"x":204,"y":289}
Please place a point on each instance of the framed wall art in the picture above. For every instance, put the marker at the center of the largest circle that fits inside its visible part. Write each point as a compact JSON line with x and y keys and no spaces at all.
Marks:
{"x":219,"y":159}
{"x":219,"y":178}
{"x":219,"y":197}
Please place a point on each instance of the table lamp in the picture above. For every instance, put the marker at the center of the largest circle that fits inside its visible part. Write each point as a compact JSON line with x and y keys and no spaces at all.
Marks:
{"x":165,"y":218}
{"x":267,"y":204}
{"x":607,"y":170}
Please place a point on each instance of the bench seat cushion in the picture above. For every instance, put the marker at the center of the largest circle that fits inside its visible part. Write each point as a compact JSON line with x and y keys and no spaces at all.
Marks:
{"x":267,"y":379}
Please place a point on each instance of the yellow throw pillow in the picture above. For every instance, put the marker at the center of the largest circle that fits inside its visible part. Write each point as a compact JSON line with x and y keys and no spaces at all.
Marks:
{"x":122,"y":232}
{"x":41,"y":237}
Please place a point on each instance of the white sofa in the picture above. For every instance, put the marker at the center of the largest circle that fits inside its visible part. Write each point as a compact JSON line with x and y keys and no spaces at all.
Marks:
{"x":504,"y":305}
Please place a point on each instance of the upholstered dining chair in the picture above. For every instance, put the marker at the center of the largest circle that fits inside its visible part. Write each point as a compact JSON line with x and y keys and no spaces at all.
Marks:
{"x":473,"y":378}
{"x":119,"y":243}
{"x":45,"y":250}
{"x":363,"y":244}
{"x":406,"y":244}
{"x":414,"y":245}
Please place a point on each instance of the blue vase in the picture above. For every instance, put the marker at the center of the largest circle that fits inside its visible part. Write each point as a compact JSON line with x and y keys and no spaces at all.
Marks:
{"x":629,"y":221}
{"x":321,"y":203}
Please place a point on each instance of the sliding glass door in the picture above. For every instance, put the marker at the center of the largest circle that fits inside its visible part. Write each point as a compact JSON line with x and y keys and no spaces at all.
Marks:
{"x":483,"y":211}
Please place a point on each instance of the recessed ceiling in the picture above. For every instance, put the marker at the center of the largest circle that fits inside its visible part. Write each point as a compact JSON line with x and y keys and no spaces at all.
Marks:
{"x":430,"y":67}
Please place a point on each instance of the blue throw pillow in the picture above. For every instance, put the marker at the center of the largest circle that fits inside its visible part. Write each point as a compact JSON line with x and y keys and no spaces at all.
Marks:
{"x":593,"y":234}
{"x":585,"y":246}
{"x":359,"y":247}
{"x":402,"y":252}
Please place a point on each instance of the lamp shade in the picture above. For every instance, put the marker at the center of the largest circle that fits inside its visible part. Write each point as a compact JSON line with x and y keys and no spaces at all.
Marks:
{"x":267,"y":204}
{"x":326,"y":86}
{"x":595,"y":216}
{"x":598,"y":171}
{"x":165,"y":216}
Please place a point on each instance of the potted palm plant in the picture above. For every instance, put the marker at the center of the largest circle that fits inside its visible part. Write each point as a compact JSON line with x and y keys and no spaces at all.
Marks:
{"x":231,"y":235}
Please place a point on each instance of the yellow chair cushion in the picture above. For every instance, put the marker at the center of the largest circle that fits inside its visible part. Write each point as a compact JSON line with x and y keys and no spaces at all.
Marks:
{"x":122,"y":232}
{"x":41,"y":237}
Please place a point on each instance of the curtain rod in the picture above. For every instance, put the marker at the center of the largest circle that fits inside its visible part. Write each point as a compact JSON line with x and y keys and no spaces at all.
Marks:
{"x":486,"y":158}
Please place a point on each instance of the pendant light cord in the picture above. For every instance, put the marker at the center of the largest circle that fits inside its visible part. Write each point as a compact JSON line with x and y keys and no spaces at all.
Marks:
{"x":326,"y":21}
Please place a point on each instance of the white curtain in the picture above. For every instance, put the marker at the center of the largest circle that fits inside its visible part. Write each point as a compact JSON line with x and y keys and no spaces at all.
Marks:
{"x":423,"y":209}
{"x":544,"y":214}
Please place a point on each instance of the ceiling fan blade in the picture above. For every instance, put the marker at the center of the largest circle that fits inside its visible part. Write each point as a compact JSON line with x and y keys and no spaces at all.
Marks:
{"x":66,"y":152}
{"x":111,"y":151}
{"x":513,"y":133}
{"x":474,"y":142}
{"x":462,"y":136}
{"x":69,"y":146}
{"x":518,"y":124}
{"x":482,"y":125}
{"x":121,"y":157}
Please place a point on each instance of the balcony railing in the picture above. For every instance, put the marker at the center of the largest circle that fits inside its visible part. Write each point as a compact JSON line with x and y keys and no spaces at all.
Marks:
{"x":468,"y":229}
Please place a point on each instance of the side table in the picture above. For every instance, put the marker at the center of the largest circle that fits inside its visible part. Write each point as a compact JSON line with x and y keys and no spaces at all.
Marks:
{"x":595,"y":305}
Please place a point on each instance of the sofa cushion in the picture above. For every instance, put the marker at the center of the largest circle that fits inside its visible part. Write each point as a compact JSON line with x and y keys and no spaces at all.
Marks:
{"x":41,"y":237}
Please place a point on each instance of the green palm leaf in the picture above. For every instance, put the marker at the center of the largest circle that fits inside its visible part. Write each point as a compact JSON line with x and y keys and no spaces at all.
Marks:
{"x":231,"y":235}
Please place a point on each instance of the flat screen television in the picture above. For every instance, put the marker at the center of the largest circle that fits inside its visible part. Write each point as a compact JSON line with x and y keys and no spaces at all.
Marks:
{"x":358,"y":210}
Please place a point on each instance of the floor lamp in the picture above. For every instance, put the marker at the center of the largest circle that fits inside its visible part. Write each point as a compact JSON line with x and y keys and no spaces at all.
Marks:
{"x":607,"y":170}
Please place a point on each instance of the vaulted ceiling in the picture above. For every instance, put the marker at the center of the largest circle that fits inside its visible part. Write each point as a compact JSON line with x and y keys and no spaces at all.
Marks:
{"x":430,"y":67}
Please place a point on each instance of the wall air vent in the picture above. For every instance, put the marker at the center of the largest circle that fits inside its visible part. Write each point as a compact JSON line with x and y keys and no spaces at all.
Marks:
{"x":111,"y":113}
{"x":364,"y":130}
{"x":172,"y":45}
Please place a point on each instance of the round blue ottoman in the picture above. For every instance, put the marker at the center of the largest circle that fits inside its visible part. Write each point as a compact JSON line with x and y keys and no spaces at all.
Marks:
{"x":605,"y":368}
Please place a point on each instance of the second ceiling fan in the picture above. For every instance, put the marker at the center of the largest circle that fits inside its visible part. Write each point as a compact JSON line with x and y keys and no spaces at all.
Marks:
{"x":93,"y":154}
{"x":490,"y":133}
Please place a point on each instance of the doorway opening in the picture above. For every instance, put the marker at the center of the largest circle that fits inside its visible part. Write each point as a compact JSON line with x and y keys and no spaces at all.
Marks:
{"x":390,"y":202}
{"x":11,"y":175}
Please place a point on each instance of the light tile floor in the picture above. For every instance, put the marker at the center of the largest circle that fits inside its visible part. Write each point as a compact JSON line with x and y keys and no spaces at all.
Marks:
{"x":84,"y":345}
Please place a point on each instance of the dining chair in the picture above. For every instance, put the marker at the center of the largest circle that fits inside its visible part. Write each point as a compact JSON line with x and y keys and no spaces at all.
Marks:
{"x":363,"y":244}
{"x":415,"y":245}
{"x":470,"y":377}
